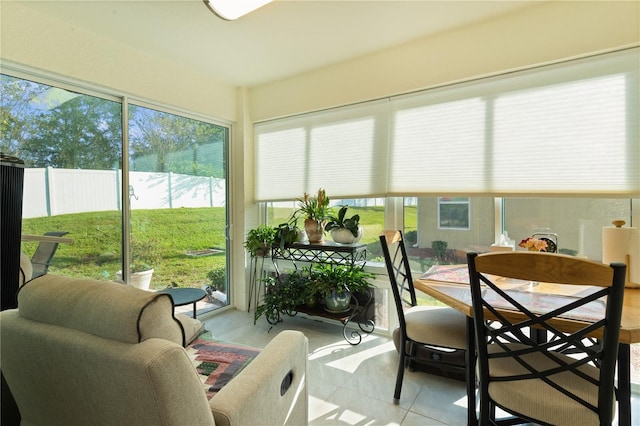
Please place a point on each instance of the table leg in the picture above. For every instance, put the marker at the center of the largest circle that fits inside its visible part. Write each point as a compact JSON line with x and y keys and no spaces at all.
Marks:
{"x":470,"y":373}
{"x":624,"y":384}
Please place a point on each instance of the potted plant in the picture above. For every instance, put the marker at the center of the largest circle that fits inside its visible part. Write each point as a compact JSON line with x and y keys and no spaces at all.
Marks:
{"x":337,"y":282}
{"x":283,"y":293}
{"x":286,"y":233}
{"x":315,"y":210}
{"x":145,"y":256}
{"x":259,"y":240}
{"x":344,"y":230}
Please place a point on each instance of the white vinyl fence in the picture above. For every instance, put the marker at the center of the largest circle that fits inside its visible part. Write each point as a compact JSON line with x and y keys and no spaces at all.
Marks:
{"x":50,"y":192}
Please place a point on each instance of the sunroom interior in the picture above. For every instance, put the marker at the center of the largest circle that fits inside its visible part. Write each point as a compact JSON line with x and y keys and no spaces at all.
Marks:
{"x":347,"y":106}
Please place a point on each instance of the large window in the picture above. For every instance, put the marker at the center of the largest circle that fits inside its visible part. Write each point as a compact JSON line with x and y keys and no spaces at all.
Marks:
{"x":553,"y":149}
{"x":577,"y":222}
{"x":470,"y":156}
{"x":430,"y":243}
{"x":166,"y":205}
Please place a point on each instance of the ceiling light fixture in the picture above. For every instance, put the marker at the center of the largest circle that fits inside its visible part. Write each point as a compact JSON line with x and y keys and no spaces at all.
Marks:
{"x":234,"y":9}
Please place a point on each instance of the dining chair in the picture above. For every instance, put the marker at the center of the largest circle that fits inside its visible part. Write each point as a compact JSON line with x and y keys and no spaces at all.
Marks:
{"x":436,"y":336}
{"x":562,"y":379}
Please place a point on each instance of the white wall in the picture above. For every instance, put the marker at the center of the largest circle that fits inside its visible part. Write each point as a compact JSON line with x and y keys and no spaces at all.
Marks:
{"x":39,"y":41}
{"x":542,"y":33}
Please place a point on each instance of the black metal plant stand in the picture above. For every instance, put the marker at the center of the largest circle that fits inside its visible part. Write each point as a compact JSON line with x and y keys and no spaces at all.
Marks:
{"x":330,"y":252}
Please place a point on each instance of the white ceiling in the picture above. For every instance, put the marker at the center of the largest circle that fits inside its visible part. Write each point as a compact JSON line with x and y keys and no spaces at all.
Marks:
{"x":281,"y":39}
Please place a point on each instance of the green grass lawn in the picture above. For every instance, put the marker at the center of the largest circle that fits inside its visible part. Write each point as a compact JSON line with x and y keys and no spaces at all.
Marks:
{"x":96,"y":249}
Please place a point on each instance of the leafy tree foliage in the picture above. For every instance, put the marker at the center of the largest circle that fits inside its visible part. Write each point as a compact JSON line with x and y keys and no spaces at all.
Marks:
{"x":163,"y":142}
{"x":82,"y":133}
{"x":46,"y":126}
{"x":17,"y":120}
{"x":49,"y":126}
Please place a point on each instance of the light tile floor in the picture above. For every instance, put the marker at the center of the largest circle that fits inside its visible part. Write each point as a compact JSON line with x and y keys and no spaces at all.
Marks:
{"x":353,"y":385}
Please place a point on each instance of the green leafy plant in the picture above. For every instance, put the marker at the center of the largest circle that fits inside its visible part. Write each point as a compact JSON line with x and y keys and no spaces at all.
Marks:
{"x":329,"y":277}
{"x":339,"y":221}
{"x":286,"y":233}
{"x":313,"y":207}
{"x":145,"y":254}
{"x":218,"y":278}
{"x":283,"y":294}
{"x":411,"y":237}
{"x":259,"y":240}
{"x":439,"y":248}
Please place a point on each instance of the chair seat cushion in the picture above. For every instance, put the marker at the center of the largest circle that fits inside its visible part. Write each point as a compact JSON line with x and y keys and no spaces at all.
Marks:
{"x":524,"y":396}
{"x":437,"y":326}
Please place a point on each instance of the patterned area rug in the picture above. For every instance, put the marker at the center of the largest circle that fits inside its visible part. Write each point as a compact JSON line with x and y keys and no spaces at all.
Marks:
{"x":218,"y":362}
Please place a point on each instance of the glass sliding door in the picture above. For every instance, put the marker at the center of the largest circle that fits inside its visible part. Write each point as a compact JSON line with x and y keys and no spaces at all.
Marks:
{"x":177,"y":195}
{"x":71,"y":145}
{"x":170,"y":197}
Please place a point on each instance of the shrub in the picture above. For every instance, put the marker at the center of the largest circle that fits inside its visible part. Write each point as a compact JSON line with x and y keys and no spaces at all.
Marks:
{"x":439,"y":248}
{"x":218,"y":278}
{"x":411,"y":237}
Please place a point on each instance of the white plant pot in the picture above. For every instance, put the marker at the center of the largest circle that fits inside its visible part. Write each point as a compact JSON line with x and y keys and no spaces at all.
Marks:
{"x":141,"y":280}
{"x":344,"y":236}
{"x":337,"y":302}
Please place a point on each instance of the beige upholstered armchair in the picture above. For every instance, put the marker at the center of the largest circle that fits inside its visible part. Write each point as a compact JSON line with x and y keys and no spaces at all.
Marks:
{"x":81,"y":351}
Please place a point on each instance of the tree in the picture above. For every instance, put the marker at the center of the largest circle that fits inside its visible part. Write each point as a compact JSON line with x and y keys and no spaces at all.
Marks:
{"x":84,"y":132}
{"x":163,"y":142}
{"x":47,"y":126}
{"x":50,"y":126}
{"x":16,"y":117}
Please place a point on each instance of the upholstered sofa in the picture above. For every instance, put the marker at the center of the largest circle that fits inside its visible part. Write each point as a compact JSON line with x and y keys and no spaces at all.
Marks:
{"x":82,"y":351}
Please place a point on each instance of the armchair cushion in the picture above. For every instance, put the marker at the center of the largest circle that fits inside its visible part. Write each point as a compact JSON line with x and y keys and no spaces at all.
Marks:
{"x":114,"y":311}
{"x":192,"y":327}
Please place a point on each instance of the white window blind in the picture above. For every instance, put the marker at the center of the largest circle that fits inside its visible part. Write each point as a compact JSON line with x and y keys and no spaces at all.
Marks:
{"x":564,"y":129}
{"x":341,"y":150}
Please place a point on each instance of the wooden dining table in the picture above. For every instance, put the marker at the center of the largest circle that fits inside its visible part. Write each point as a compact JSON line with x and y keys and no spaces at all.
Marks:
{"x":450,"y":288}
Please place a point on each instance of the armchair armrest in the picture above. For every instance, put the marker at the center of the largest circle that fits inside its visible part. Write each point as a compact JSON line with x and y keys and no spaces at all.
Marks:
{"x":271,"y":390}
